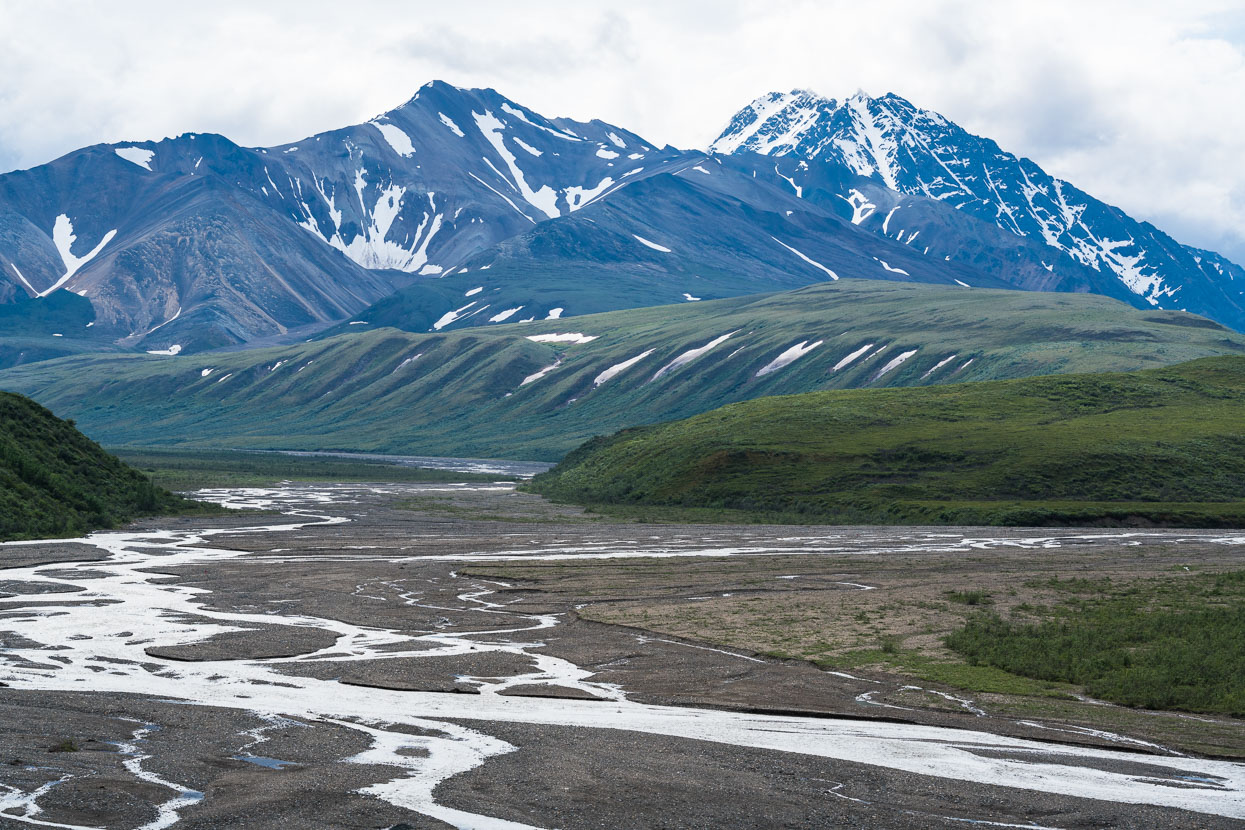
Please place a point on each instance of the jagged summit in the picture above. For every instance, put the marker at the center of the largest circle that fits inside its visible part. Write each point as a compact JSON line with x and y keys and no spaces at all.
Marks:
{"x":918,"y":152}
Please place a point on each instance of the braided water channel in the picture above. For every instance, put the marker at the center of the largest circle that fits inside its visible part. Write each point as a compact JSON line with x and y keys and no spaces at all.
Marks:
{"x":100,"y":637}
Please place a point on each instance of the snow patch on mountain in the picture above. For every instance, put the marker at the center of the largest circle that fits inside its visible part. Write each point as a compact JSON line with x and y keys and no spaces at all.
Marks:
{"x":887,"y":266}
{"x":538,"y":375}
{"x":691,"y":354}
{"x":449,"y":122}
{"x":894,"y":363}
{"x":862,"y":208}
{"x":545,"y":199}
{"x":619,"y":368}
{"x":63,"y":238}
{"x":938,"y":366}
{"x":851,"y":358}
{"x":451,"y":316}
{"x":788,"y":357}
{"x":528,"y":147}
{"x":398,"y":140}
{"x":650,"y":244}
{"x":577,"y":197}
{"x":136,"y":155}
{"x":25,"y":281}
{"x":809,"y":260}
{"x":569,"y":337}
{"x":505,"y":315}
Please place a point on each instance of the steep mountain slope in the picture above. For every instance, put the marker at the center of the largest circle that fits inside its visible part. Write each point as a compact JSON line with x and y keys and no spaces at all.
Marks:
{"x":703,"y":231}
{"x":535,"y":390}
{"x":211,"y":244}
{"x":1162,"y":446}
{"x":180,"y":249}
{"x":54,"y":481}
{"x":915,"y":152}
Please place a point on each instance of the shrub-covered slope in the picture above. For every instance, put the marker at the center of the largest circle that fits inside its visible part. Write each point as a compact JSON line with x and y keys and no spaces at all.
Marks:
{"x":1164,"y":446}
{"x":55,"y":482}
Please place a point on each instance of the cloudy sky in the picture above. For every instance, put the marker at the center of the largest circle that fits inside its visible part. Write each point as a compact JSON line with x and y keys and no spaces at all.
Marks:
{"x":1141,"y":103}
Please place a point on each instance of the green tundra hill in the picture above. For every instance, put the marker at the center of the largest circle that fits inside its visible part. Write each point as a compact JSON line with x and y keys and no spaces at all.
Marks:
{"x":56,"y":482}
{"x":1154,"y":447}
{"x":537,"y":390}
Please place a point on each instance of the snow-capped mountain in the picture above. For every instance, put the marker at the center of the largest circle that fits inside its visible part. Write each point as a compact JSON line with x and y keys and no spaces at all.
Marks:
{"x":907,"y":150}
{"x":195,"y":242}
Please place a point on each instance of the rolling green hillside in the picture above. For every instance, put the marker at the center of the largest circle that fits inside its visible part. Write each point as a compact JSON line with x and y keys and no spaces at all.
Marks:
{"x":1163,"y":446}
{"x":56,"y":482}
{"x":495,"y":392}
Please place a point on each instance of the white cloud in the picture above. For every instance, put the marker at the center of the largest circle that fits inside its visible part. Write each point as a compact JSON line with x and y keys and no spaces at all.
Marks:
{"x":1136,"y":102}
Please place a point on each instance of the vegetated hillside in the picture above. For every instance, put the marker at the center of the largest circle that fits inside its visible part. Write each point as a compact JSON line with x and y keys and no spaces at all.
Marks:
{"x":56,"y":482}
{"x":500,"y":393}
{"x":1163,"y":446}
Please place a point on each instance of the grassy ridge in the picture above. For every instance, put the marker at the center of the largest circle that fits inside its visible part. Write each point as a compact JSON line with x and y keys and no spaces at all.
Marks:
{"x":1164,"y":446}
{"x":462,"y":393}
{"x":56,"y":482}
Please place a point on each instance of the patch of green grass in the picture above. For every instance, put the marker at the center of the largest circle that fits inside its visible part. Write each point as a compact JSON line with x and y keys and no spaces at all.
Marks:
{"x":969,"y":597}
{"x":973,"y":678}
{"x":1162,"y":447}
{"x":1158,"y":644}
{"x":191,"y":469}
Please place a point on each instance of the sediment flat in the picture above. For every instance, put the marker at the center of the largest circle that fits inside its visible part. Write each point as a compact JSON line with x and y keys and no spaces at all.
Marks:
{"x":407,"y":655}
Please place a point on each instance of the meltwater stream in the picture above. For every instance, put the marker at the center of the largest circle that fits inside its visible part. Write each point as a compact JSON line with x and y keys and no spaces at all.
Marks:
{"x":102,"y":631}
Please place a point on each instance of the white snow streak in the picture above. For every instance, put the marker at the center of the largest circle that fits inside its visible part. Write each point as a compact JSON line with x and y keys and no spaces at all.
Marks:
{"x":546,"y":198}
{"x":618,"y":368}
{"x":570,"y":337}
{"x":893,"y":364}
{"x":445,"y":119}
{"x":852,"y":358}
{"x":63,"y":238}
{"x":691,"y":354}
{"x":652,"y":245}
{"x":938,"y":366}
{"x":505,"y":315}
{"x":398,"y":140}
{"x":788,"y":357}
{"x":450,"y":316}
{"x":811,"y":262}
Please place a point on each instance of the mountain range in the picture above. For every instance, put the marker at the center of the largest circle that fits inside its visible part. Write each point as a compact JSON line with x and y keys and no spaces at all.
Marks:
{"x":461,"y":208}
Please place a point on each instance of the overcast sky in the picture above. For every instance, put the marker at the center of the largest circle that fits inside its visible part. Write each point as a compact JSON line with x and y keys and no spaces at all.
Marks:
{"x":1141,"y":103}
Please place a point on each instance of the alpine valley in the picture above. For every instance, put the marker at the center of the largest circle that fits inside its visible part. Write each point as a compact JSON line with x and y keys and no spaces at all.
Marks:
{"x":731,"y":449}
